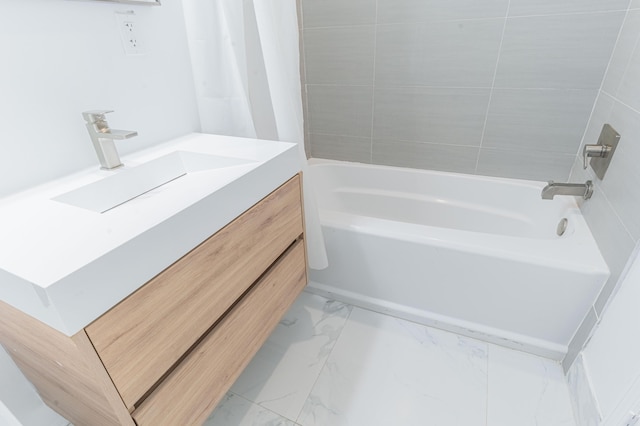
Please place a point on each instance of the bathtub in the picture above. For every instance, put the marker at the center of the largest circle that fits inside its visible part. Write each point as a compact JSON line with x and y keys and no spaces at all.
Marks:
{"x":476,"y":255}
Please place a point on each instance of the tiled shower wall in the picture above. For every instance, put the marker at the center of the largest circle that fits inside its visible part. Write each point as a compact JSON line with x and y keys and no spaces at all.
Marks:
{"x":612,"y":212}
{"x":498,"y":87}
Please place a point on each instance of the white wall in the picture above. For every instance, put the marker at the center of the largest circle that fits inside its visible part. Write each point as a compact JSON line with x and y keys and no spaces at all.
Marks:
{"x":59,"y":58}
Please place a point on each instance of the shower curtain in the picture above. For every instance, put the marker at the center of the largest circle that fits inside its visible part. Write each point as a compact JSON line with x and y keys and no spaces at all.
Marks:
{"x":245,"y":60}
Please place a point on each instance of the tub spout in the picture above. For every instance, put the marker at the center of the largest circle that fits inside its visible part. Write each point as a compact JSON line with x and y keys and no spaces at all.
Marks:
{"x":584,"y":190}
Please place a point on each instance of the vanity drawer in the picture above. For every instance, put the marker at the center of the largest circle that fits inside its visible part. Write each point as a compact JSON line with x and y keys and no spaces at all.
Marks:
{"x":144,"y":336}
{"x":190,"y":393}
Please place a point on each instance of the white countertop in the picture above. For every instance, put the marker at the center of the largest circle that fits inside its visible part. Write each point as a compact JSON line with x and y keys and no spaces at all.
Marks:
{"x":66,"y":265}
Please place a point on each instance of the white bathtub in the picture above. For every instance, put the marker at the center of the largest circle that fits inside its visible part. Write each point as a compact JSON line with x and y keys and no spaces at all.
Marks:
{"x":476,"y":255}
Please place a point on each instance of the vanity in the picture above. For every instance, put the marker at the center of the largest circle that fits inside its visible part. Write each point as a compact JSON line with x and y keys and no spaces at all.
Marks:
{"x":139,"y":299}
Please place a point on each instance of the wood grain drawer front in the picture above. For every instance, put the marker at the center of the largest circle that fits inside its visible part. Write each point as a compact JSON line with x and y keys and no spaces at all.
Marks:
{"x":141,"y":338}
{"x":191,"y":392}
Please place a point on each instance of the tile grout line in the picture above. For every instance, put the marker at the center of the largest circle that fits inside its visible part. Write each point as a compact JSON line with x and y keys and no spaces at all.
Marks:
{"x":315,"y":382}
{"x":422,"y":142}
{"x":626,"y":69}
{"x":485,"y":18}
{"x":259,"y":405}
{"x":604,"y":77}
{"x":617,"y":100}
{"x":493,"y":84}
{"x":588,"y":12}
{"x":427,"y":86}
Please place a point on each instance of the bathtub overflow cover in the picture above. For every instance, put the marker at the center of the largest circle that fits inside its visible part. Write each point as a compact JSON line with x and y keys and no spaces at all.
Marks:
{"x":562,"y":226}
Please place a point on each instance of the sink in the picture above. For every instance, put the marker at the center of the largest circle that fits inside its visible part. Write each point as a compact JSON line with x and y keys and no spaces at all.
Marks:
{"x":127,"y":184}
{"x":65,"y":264}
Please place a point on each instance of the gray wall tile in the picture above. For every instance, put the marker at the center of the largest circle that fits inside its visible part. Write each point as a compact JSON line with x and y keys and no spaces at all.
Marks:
{"x":622,"y":181}
{"x":614,"y":241}
{"x":540,"y":119}
{"x":433,"y":73}
{"x":331,"y":13}
{"x":635,"y":4}
{"x":461,"y":159}
{"x":405,"y":11}
{"x":613,"y":210}
{"x":524,"y":164}
{"x":439,"y":53}
{"x":629,"y":89}
{"x":623,"y":176}
{"x":549,"y":7}
{"x":623,"y":52}
{"x":340,"y":110}
{"x":578,"y":174}
{"x":434,"y":115}
{"x":566,"y":52}
{"x":342,"y":55}
{"x":600,"y":115}
{"x":345,"y":148}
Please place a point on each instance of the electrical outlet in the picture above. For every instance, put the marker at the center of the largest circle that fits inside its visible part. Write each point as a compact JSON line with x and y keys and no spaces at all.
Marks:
{"x":633,"y":419}
{"x":129,"y":33}
{"x":129,"y":37}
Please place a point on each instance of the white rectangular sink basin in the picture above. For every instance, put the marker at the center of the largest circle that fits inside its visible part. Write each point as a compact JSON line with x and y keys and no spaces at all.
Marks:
{"x":127,"y":184}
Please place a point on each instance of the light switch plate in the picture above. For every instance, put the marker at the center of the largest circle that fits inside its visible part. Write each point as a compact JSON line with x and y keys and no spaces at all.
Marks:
{"x":608,"y":136}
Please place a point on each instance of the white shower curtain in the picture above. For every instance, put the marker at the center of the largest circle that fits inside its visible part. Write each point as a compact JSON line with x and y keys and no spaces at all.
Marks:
{"x":245,"y":61}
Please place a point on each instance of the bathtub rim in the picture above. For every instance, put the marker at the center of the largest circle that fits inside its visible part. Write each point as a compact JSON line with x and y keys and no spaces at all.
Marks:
{"x":315,"y":161}
{"x":571,"y":247}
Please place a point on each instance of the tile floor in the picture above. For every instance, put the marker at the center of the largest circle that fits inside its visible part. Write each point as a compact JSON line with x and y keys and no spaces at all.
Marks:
{"x":332,"y":364}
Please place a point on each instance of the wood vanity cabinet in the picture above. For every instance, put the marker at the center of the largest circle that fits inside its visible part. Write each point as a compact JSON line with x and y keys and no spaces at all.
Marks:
{"x":168,"y":353}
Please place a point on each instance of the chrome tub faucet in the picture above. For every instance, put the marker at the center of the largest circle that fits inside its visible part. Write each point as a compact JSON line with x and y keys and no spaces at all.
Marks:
{"x":584,"y":190}
{"x":103,"y":138}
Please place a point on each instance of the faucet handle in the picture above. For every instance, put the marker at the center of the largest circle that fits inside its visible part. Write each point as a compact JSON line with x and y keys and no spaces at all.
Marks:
{"x":95,"y":115}
{"x":598,"y":151}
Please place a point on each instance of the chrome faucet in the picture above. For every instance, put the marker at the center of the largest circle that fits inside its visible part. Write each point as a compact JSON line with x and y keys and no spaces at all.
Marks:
{"x":584,"y":190}
{"x":103,"y":138}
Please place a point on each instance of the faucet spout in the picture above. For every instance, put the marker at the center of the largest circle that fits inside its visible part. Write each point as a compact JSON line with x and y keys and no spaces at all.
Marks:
{"x":103,"y":138}
{"x":118,"y":134}
{"x":584,"y":190}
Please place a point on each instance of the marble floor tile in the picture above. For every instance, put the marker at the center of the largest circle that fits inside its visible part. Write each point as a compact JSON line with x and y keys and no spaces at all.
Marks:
{"x":526,"y":390}
{"x":387,"y":371}
{"x":234,"y":410}
{"x":330,"y":364}
{"x":282,"y":373}
{"x":585,"y":406}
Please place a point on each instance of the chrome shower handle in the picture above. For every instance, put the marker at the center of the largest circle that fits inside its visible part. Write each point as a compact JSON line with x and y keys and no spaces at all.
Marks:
{"x":598,"y":151}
